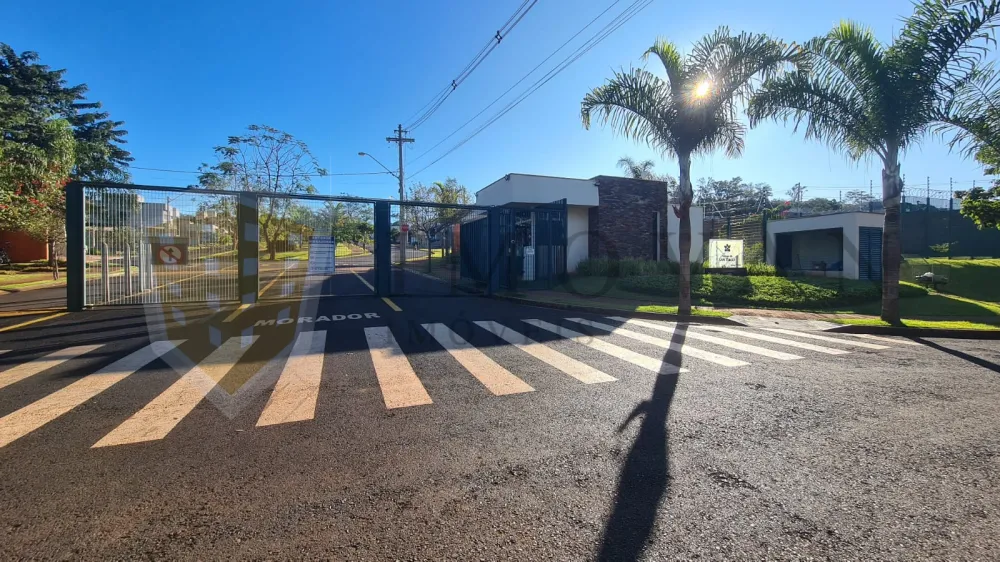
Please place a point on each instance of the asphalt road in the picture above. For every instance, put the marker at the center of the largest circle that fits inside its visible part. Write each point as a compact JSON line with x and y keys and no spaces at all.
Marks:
{"x":459,"y":445}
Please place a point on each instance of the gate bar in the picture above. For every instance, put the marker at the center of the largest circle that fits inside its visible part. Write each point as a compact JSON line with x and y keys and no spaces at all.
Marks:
{"x":75,"y":248}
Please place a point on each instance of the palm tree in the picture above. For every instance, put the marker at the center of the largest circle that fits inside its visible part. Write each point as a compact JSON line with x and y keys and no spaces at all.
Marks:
{"x":868,"y":99}
{"x":693,"y":111}
{"x":637,"y":170}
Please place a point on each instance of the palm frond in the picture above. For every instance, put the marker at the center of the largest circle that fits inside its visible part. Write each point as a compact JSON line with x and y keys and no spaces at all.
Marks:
{"x":728,"y":135}
{"x":737,"y":64}
{"x":971,"y":111}
{"x":636,"y":104}
{"x":672,"y":61}
{"x":829,"y":116}
{"x":945,"y":39}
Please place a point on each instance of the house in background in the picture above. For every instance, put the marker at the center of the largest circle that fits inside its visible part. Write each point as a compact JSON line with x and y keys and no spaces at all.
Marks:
{"x":847,"y":245}
{"x":606,"y":217}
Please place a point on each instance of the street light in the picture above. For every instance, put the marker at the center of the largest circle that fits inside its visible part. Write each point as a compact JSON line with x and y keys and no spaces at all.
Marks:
{"x":394,"y":174}
{"x":403,"y":236}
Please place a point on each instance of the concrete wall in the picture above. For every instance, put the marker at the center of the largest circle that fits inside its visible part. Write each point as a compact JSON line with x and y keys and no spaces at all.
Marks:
{"x":697,"y":235}
{"x":523,"y":188}
{"x":577,"y":243}
{"x":849,"y":222}
{"x":24,"y":248}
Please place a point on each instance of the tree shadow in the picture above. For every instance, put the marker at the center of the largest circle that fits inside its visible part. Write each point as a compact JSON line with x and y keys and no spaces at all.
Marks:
{"x":961,"y":355}
{"x":645,"y":475}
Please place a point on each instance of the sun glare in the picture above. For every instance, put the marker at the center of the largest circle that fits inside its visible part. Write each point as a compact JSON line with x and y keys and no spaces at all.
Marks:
{"x":702,"y":89}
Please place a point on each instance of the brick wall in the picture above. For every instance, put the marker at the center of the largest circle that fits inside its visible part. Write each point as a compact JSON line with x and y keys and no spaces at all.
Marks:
{"x":623,"y":224}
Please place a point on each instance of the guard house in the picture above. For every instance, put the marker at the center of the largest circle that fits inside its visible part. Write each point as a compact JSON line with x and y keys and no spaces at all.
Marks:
{"x":605,"y":216}
{"x":847,"y":245}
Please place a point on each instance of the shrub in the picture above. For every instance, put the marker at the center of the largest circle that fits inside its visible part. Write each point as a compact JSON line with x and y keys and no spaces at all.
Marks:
{"x":754,"y":254}
{"x":761,"y":270}
{"x":629,"y":267}
{"x":765,"y":290}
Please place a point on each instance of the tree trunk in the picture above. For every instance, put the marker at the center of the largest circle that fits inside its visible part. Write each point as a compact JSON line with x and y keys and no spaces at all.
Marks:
{"x":892,"y":189}
{"x":683,"y":212}
{"x":53,"y":260}
{"x":270,"y":245}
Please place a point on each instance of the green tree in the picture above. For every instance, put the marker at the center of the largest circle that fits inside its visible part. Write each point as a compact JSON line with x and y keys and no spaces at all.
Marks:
{"x":32,"y":182}
{"x":42,"y":94}
{"x":982,"y":205}
{"x":732,"y":196}
{"x":693,"y":111}
{"x":869,"y":99}
{"x":270,"y":162}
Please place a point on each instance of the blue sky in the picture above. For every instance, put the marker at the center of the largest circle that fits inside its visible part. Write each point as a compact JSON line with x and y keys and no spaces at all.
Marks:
{"x":341,"y":75}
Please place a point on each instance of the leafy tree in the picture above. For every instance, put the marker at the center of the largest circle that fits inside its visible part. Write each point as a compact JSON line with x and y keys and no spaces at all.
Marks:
{"x":818,"y":205}
{"x":42,"y":93}
{"x":693,"y":111}
{"x":33,"y":198}
{"x":982,"y":205}
{"x":858,"y":200}
{"x":270,"y":162}
{"x":732,"y":196}
{"x":869,"y":99}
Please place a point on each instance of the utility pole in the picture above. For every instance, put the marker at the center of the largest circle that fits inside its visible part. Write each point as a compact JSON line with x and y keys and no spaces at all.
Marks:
{"x":871,"y":196}
{"x":400,"y":140}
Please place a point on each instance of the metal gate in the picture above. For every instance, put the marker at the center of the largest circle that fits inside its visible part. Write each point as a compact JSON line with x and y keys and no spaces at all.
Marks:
{"x":131,"y":244}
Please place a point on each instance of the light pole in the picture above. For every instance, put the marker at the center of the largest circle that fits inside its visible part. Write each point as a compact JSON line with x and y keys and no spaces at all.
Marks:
{"x":403,"y":236}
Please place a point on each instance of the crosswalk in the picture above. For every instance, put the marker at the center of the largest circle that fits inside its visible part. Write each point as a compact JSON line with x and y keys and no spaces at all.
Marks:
{"x":571,"y":350}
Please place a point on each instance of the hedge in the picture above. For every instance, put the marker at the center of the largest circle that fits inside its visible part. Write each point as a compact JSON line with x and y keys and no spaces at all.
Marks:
{"x":629,"y":267}
{"x":767,"y":290}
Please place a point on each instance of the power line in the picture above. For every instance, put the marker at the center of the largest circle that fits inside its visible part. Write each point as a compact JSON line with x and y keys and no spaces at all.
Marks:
{"x":620,"y":20}
{"x":279,"y":175}
{"x":438,"y":100}
{"x":516,"y":84}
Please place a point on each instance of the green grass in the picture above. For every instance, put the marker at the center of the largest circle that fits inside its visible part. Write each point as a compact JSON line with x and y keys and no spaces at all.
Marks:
{"x":764,"y":291}
{"x":973,"y":279}
{"x":941,"y":324}
{"x":569,"y":300}
{"x":934,"y":305}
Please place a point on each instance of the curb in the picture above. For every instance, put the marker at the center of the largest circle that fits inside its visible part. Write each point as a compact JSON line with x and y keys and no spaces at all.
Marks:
{"x":618,"y":312}
{"x":917,"y":332}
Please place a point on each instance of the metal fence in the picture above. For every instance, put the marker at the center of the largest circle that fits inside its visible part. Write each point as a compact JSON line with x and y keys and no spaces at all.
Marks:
{"x":427,"y":249}
{"x":747,"y":227}
{"x":129,"y":241}
{"x":129,"y":244}
{"x":935,"y":227}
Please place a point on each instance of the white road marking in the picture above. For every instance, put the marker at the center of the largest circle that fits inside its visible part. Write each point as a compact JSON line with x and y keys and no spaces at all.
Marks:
{"x":400,"y":386}
{"x":576,"y":369}
{"x":20,"y":372}
{"x":826,"y":338}
{"x":881,"y":338}
{"x":35,"y":415}
{"x":163,"y":413}
{"x":755,"y":349}
{"x":495,"y":378}
{"x":655,"y":365}
{"x":772,"y":339}
{"x":683,"y":349}
{"x":297,"y":391}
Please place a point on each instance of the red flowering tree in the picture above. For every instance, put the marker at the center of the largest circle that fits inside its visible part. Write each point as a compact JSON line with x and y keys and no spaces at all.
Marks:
{"x":32,"y":186}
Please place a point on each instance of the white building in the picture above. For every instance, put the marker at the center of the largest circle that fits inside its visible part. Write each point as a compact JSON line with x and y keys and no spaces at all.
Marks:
{"x":606,"y":216}
{"x":847,"y":245}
